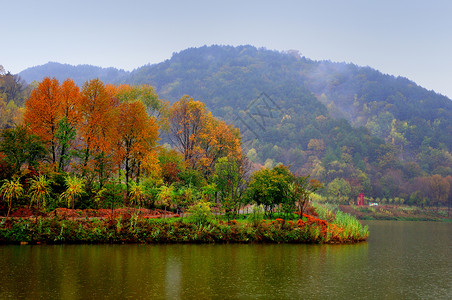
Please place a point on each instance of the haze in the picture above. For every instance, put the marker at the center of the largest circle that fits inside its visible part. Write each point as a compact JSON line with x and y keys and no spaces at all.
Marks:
{"x":402,"y":38}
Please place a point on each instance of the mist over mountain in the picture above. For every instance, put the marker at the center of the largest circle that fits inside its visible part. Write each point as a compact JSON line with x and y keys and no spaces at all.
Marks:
{"x":331,"y":120}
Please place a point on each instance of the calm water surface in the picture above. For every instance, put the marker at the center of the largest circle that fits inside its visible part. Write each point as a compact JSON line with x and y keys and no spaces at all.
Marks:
{"x":401,"y":260}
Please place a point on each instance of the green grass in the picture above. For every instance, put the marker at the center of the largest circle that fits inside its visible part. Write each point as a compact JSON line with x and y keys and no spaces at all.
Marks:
{"x":353,"y":229}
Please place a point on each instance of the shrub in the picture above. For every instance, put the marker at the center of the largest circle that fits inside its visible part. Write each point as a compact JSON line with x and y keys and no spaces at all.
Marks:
{"x":11,"y":189}
{"x":200,"y":213}
{"x":39,"y":191}
{"x":257,"y":215}
{"x":137,"y":194}
{"x":75,"y":189}
{"x":112,"y":196}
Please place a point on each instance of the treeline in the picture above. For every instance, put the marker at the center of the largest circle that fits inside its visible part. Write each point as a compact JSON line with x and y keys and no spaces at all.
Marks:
{"x":338,"y":122}
{"x":79,"y":74}
{"x":97,"y":147}
{"x":13,"y":93}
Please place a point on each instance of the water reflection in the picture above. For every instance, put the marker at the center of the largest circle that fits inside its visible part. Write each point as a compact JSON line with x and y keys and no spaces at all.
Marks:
{"x":400,"y":260}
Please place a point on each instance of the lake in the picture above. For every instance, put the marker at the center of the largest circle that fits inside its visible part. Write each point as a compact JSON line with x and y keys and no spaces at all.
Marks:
{"x":401,"y":260}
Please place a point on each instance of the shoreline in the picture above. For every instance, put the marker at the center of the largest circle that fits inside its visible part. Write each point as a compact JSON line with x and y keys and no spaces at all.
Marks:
{"x":397,"y":213}
{"x":134,"y":229}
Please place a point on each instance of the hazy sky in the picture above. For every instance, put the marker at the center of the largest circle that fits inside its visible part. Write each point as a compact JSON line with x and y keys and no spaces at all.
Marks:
{"x":408,"y":38}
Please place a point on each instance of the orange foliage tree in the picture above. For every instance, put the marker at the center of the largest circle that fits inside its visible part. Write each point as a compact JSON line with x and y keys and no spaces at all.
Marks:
{"x":137,"y":134}
{"x":187,"y":118}
{"x":97,"y":130}
{"x":216,"y":140}
{"x":47,"y":106}
{"x":105,"y":124}
{"x":172,"y":163}
{"x":70,"y":101}
{"x":43,"y":112}
{"x":155,"y":107}
{"x":201,"y":138}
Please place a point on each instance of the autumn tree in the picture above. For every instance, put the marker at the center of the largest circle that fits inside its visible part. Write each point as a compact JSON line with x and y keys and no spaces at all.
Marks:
{"x":187,"y":120}
{"x":137,"y":136}
{"x":439,"y":189}
{"x":449,"y":196}
{"x":200,"y":137}
{"x":172,"y":164}
{"x":52,"y":111}
{"x":216,"y":140}
{"x":97,"y":130}
{"x":43,"y":112}
{"x":155,"y":107}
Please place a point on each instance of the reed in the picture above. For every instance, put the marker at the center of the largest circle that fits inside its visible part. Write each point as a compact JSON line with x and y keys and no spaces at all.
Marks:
{"x":347,"y":227}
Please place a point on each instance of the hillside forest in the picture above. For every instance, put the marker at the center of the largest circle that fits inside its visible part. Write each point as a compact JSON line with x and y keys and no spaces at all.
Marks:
{"x":352,"y":128}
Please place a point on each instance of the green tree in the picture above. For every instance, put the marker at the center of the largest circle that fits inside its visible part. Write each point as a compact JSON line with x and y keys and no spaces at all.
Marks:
{"x":21,"y":148}
{"x":65,"y":134}
{"x":338,"y":188}
{"x":300,"y":190}
{"x":230,"y":181}
{"x":270,"y":187}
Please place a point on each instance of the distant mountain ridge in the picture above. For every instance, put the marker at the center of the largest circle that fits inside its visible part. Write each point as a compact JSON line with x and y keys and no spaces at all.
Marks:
{"x":79,"y":73}
{"x":331,"y":120}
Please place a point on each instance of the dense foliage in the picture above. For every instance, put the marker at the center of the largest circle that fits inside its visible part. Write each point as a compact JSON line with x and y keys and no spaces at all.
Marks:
{"x":373,"y":133}
{"x":134,"y":229}
{"x":97,"y":147}
{"x":353,"y":128}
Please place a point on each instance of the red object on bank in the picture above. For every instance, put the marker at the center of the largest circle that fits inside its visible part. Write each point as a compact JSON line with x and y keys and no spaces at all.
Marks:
{"x":361,"y":196}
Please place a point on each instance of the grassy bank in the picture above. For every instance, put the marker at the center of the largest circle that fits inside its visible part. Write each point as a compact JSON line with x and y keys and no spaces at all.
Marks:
{"x":135,"y":229}
{"x":397,"y":212}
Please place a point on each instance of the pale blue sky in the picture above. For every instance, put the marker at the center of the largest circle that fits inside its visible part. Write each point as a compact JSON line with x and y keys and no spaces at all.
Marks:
{"x":409,"y":38}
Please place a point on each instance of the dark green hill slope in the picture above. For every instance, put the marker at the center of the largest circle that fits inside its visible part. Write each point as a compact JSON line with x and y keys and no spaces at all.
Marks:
{"x":332,"y":120}
{"x":383,"y":104}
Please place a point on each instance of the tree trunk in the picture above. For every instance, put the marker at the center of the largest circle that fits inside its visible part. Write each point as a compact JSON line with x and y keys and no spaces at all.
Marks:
{"x":127,"y":177}
{"x":9,"y":207}
{"x":138,"y":172}
{"x":63,"y":152}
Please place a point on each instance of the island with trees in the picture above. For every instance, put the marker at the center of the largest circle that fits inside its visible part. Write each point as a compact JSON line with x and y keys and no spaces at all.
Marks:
{"x":111,"y":163}
{"x":353,"y":128}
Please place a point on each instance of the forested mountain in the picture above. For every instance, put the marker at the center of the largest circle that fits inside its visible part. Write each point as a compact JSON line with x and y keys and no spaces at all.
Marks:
{"x":79,"y":74}
{"x":354,"y":128}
